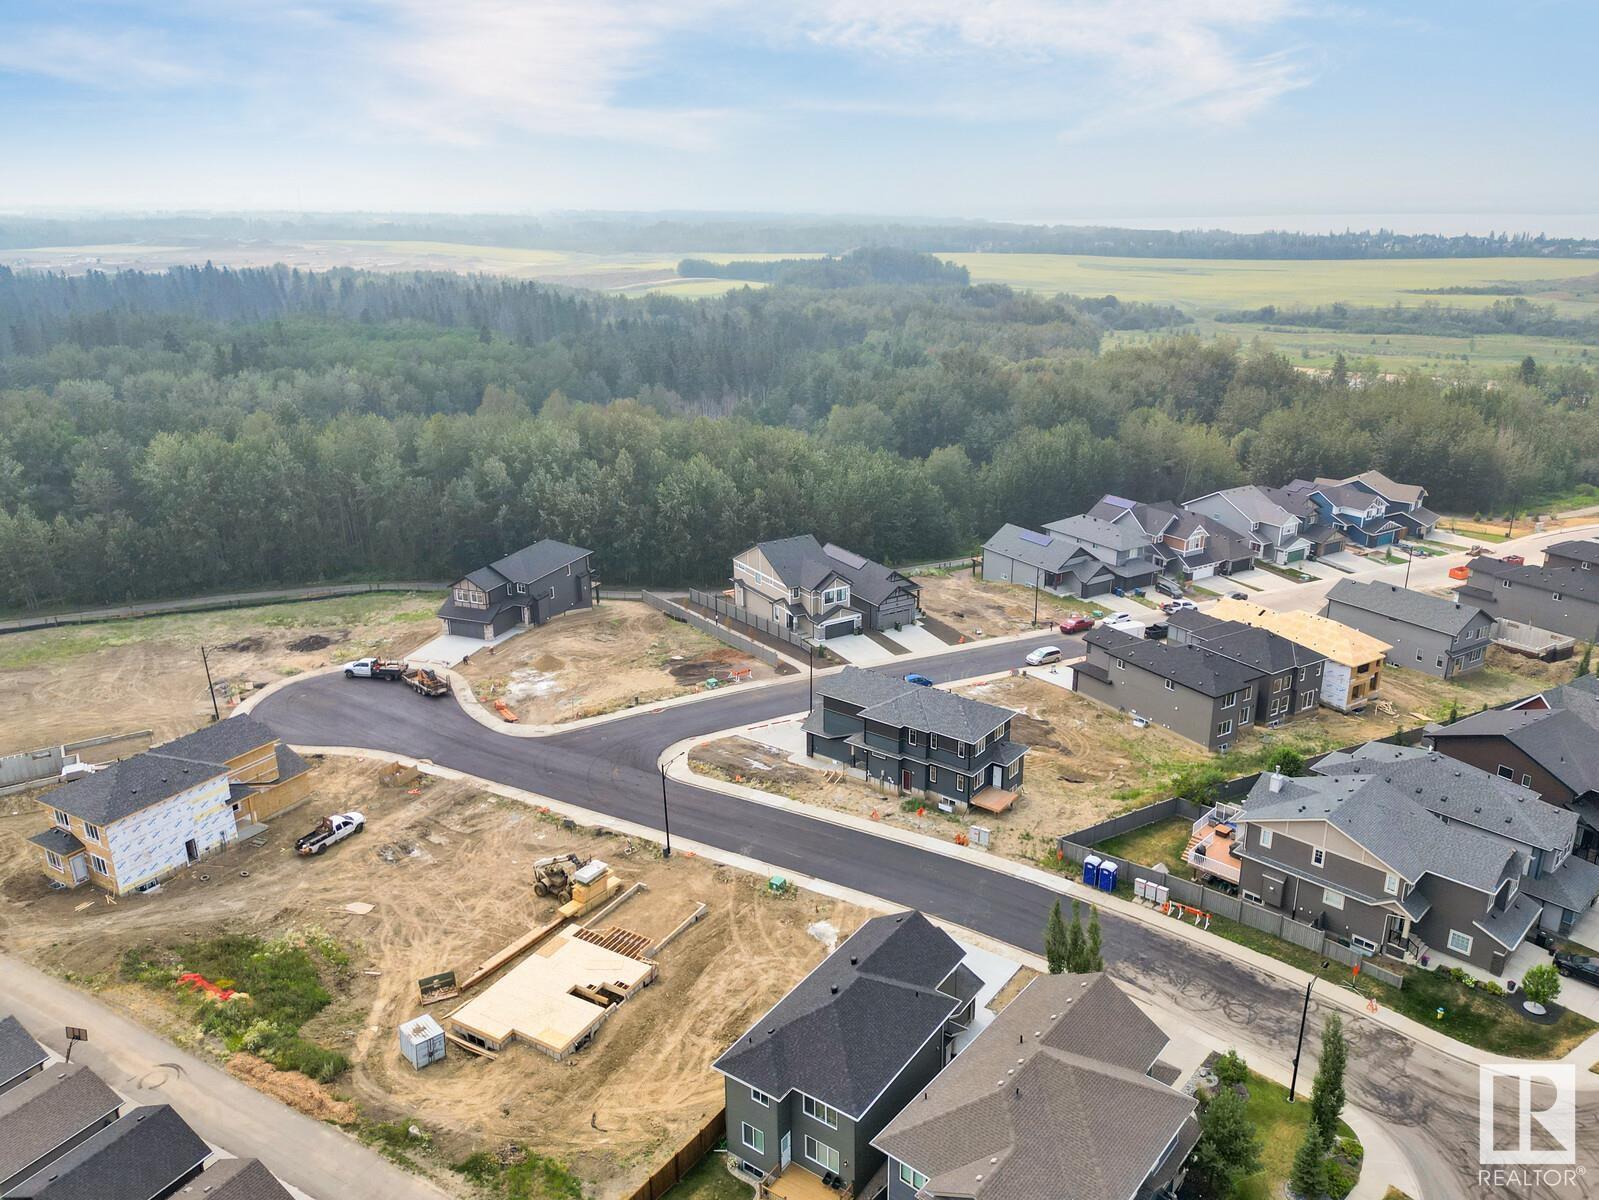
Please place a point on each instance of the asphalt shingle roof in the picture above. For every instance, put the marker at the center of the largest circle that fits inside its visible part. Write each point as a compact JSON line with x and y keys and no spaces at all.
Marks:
{"x":1052,"y":1099}
{"x":40,"y":1114}
{"x":143,"y":1152}
{"x":18,"y":1050}
{"x":803,"y":562}
{"x":532,"y":563}
{"x":1261,"y":649}
{"x":58,"y":841}
{"x":1583,"y":550}
{"x":1269,"y":506}
{"x":850,"y":1026}
{"x":1192,"y":667}
{"x":894,"y":702}
{"x":1402,"y":493}
{"x":1051,"y":552}
{"x":1568,"y":581}
{"x":1095,"y":531}
{"x":235,"y":1179}
{"x":1403,"y":604}
{"x":1562,"y":738}
{"x":219,"y":741}
{"x":1573,"y":885}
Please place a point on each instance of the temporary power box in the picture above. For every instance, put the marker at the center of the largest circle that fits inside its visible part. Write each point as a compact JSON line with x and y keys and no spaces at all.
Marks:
{"x":422,"y":1041}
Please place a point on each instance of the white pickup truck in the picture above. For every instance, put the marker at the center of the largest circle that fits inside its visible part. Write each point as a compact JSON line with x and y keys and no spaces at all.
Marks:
{"x":332,"y":829}
{"x":374,"y":668}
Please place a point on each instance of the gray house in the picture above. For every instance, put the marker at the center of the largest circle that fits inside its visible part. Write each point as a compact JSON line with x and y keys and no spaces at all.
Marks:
{"x":1577,"y":555}
{"x":1274,"y":521}
{"x":1426,"y":633}
{"x":47,"y":1116}
{"x":1185,"y":544}
{"x":952,"y":749}
{"x":816,"y":1078}
{"x":1062,"y":1096}
{"x":1204,"y":696}
{"x":147,"y":1152}
{"x":529,"y":587}
{"x":1081,"y":556}
{"x":1564,"y":599}
{"x":1290,"y":674}
{"x":20,"y":1056}
{"x":820,"y":591}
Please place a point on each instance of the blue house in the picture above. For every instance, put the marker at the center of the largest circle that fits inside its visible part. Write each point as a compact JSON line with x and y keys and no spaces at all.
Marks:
{"x":1358,"y":516}
{"x":1403,"y":503}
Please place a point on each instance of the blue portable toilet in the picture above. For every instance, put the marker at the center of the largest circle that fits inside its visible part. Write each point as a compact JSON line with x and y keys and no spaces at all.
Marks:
{"x":1107,"y":877}
{"x":1091,"y":870}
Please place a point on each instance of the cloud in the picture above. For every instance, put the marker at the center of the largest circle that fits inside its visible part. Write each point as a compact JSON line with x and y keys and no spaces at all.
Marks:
{"x":114,"y":60}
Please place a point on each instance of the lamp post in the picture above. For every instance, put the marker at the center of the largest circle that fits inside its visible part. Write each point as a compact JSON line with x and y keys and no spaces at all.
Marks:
{"x":216,"y":713}
{"x":1035,"y":599}
{"x":1299,"y":1048}
{"x":666,"y":816}
{"x":810,"y":654}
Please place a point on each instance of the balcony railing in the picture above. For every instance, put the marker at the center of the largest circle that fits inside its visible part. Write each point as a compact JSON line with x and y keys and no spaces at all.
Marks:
{"x":1210,"y":849}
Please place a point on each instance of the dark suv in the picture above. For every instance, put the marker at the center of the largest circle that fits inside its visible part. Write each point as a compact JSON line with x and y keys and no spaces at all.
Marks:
{"x":1578,"y":966}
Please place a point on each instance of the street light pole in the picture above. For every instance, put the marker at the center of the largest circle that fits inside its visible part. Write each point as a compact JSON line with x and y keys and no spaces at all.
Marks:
{"x":810,"y":652}
{"x":1299,"y":1048}
{"x":1035,"y":599}
{"x":666,"y":815}
{"x":216,"y":713}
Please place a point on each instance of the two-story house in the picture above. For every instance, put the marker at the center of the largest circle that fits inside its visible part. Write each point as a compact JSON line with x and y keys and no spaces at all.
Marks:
{"x":1188,"y":545}
{"x":822,"y":592}
{"x":1290,"y":674}
{"x":529,"y":587}
{"x":1405,"y":503}
{"x":1352,"y":672}
{"x":1274,"y":521}
{"x":1358,"y":516}
{"x":1576,"y":555}
{"x":954,"y":750}
{"x":1063,"y":1095}
{"x":1425,"y":633}
{"x":819,"y":1075}
{"x":1082,"y":556}
{"x":139,"y":820}
{"x":1203,"y":696}
{"x":1562,"y":598}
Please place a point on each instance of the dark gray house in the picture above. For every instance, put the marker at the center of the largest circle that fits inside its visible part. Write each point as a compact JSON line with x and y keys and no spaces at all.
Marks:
{"x":529,"y":587}
{"x":47,"y":1116}
{"x":1564,"y":599}
{"x":145,"y":1154}
{"x":1183,"y":544}
{"x":236,"y":1179}
{"x":1577,"y":555}
{"x":816,"y":1078}
{"x":1291,"y":674}
{"x":1426,"y":633}
{"x":20,"y":1056}
{"x":953,"y":749}
{"x":1204,"y":696}
{"x":1062,"y":1096}
{"x":822,"y":591}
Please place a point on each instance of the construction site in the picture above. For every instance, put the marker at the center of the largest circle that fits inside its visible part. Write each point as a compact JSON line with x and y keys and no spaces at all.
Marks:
{"x":584,"y":985}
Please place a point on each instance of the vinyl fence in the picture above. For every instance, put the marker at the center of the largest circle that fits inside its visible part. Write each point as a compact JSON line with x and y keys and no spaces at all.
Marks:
{"x":706,"y":625}
{"x":685,"y":1160}
{"x":723,"y":607}
{"x":29,"y":768}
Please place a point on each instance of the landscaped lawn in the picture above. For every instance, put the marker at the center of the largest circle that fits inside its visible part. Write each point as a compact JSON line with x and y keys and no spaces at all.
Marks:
{"x":1281,"y":1127}
{"x":710,"y":1181}
{"x":1163,"y":842}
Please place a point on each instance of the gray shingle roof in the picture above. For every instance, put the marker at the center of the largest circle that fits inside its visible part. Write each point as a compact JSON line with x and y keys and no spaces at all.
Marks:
{"x":1573,"y":885}
{"x":235,"y":1179}
{"x":58,"y":841}
{"x":1192,"y":667}
{"x":1403,"y":604}
{"x":41,"y":1114}
{"x":451,"y":611}
{"x":1051,"y":552}
{"x":803,"y":562}
{"x":892,"y":701}
{"x":1052,"y":1099}
{"x":18,"y":1051}
{"x":1581,"y":550}
{"x":1269,"y":506}
{"x":1402,"y":493}
{"x":1342,"y":495}
{"x":1261,"y":649}
{"x":220,"y":741}
{"x":532,"y":563}
{"x":1095,"y":531}
{"x":1562,"y":738}
{"x":851,"y":1025}
{"x":1567,"y":581}
{"x":143,"y":1152}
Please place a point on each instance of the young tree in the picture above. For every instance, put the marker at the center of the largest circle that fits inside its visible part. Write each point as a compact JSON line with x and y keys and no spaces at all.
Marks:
{"x":1093,"y":959}
{"x":1541,"y":984}
{"x":1308,"y":1176}
{"x":1285,"y":760}
{"x":1056,"y":947}
{"x":1076,"y":944}
{"x":1228,"y":1147}
{"x":1231,"y":1068}
{"x":1327,"y":1092}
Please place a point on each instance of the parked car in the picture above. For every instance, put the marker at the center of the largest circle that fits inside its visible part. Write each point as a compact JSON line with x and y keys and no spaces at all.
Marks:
{"x":1077,"y":624}
{"x":919,"y":680}
{"x":1238,"y":595}
{"x":1042,"y":655}
{"x":1169,"y":587}
{"x":1156,"y":630}
{"x":1176,"y":606}
{"x":332,"y":829}
{"x":1124,"y":623}
{"x":1578,"y":966}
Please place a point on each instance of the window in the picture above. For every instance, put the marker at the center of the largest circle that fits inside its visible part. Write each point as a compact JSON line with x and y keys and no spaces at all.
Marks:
{"x":1504,"y":583}
{"x":63,"y":820}
{"x":836,"y":595}
{"x":910,"y":737}
{"x":1556,"y":596}
{"x":1228,"y":700}
{"x":1307,"y":699}
{"x":966,"y":750}
{"x":932,"y":741}
{"x":1224,"y":728}
{"x":960,"y":783}
{"x":1318,"y":857}
{"x":92,"y":832}
{"x":1526,"y":781}
{"x":818,"y":1111}
{"x":1252,"y":897}
{"x":1265,"y":839}
{"x":568,"y":568}
{"x":1418,"y":655}
{"x":98,"y":864}
{"x":1361,"y":943}
{"x":1459,"y":943}
{"x":1331,"y":898}
{"x":1121,"y":664}
{"x":754,"y":1138}
{"x":1390,"y":884}
{"x":54,"y":859}
{"x":932,"y":775}
{"x":1172,"y":687}
{"x":1505,"y":772}
{"x":777,"y":612}
{"x":1249,"y":695}
{"x":760,"y":1098}
{"x":1440,"y":661}
{"x":821,"y":1154}
{"x":911,"y":1178}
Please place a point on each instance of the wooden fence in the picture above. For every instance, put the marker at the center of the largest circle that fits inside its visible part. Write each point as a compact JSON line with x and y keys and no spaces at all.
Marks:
{"x":685,"y":1160}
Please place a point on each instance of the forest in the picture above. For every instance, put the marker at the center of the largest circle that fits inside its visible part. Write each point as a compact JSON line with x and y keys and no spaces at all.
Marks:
{"x":1502,"y":316}
{"x":206,"y":429}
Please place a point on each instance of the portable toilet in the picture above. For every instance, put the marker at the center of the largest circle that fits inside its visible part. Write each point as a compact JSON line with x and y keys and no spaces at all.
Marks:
{"x":1091,"y":870}
{"x":422,"y":1041}
{"x":1107,"y":876}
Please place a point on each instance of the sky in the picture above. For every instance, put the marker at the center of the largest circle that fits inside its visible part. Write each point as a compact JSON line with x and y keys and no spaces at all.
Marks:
{"x":1032,"y":110}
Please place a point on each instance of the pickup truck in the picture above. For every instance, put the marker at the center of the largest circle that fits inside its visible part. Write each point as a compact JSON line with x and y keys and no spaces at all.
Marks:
{"x":332,"y":829}
{"x":374,"y":668}
{"x":1124,"y":623}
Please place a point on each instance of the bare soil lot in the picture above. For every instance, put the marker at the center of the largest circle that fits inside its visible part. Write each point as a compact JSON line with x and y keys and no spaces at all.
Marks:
{"x":976,"y":609}
{"x":425,"y":863}
{"x":62,"y":685}
{"x":601,"y":659}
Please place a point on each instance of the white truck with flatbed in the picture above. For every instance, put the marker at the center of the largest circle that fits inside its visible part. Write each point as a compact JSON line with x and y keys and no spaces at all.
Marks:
{"x":374,"y":668}
{"x":332,"y":830}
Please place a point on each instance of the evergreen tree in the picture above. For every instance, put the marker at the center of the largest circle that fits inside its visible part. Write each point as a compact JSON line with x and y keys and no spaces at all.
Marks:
{"x":1076,"y":944}
{"x":1056,"y":944}
{"x":1093,"y":960}
{"x":1327,"y":1092}
{"x":1228,"y":1147}
{"x":1308,"y":1176}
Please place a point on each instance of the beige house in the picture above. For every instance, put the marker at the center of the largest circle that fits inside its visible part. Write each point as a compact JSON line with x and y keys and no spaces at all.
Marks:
{"x":1354,"y":659}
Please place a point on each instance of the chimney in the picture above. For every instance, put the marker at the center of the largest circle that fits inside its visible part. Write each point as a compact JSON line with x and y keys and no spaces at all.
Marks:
{"x":1276,"y":781}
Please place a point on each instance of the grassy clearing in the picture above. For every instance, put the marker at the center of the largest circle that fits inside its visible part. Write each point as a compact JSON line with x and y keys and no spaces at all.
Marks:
{"x":710,"y":1181}
{"x":1163,"y":842}
{"x":520,"y":1174}
{"x":1281,"y":1127}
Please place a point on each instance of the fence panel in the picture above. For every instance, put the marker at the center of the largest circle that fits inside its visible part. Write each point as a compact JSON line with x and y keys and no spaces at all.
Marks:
{"x":1137,"y":819}
{"x":685,"y":1160}
{"x":1303,"y":936}
{"x":720,"y":632}
{"x":723,"y":607}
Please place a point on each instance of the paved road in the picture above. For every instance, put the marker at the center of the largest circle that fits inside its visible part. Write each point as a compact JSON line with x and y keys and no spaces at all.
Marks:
{"x":1426,"y":1096}
{"x":147,"y":1069}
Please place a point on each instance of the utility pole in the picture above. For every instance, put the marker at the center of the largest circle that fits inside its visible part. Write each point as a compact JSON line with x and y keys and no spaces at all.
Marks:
{"x":1300,"y":1047}
{"x":810,"y":650}
{"x":1035,"y":598}
{"x":216,"y":713}
{"x":666,"y":816}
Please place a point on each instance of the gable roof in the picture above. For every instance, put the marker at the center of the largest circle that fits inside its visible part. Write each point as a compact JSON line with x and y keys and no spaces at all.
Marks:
{"x":893,"y":701}
{"x":849,"y":1027}
{"x":1046,"y":551}
{"x":1053,"y":1099}
{"x":1192,"y":667}
{"x":803,"y":562}
{"x":532,"y":563}
{"x":1562,"y":737}
{"x":1403,"y":604}
{"x":1402,"y":493}
{"x":1251,"y":645}
{"x":1096,"y":531}
{"x":1334,"y":641}
{"x":219,"y":741}
{"x":1154,"y":519}
{"x":48,"y":1110}
{"x":143,"y":1152}
{"x":235,"y":1179}
{"x":1568,"y":581}
{"x":1580,"y":550}
{"x":1268,"y":506}
{"x":1339,"y":495}
{"x":18,"y":1050}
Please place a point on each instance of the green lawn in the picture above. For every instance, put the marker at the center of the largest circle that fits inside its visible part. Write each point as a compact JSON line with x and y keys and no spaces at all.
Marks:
{"x":1281,"y":1127}
{"x":710,"y":1181}
{"x":1163,"y":842}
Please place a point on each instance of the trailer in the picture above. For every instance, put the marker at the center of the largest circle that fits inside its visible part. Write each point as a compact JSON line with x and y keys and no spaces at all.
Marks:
{"x":425,"y":682}
{"x":375,"y":668}
{"x":331,"y":830}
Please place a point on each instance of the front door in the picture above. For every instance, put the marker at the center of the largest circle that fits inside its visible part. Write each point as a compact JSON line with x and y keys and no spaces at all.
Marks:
{"x":192,"y":849}
{"x":785,"y":1152}
{"x":904,"y":780}
{"x":996,"y":776}
{"x":80,"y":868}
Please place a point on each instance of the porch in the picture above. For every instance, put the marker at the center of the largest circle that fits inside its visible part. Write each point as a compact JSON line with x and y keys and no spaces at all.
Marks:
{"x":796,"y":1183}
{"x":994,"y":800}
{"x":1212,"y":845}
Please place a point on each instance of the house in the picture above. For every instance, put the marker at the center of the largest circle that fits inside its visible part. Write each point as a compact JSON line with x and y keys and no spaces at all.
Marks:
{"x":1548,"y":743}
{"x":1186,"y":544}
{"x":1406,"y":502}
{"x":822,"y":592}
{"x":1290,"y":680}
{"x":1080,"y":556}
{"x":1063,"y":1095}
{"x":1352,"y":673}
{"x":145,"y":1154}
{"x":48,"y":1116}
{"x":142,"y":818}
{"x":1564,"y":599}
{"x":529,"y":587}
{"x":1203,"y":696}
{"x":1355,"y":514}
{"x":820,"y":1074}
{"x":1576,"y":555}
{"x":1426,"y":633}
{"x":234,"y":1179}
{"x":1274,"y":521}
{"x":1393,"y":850}
{"x":1124,"y":552}
{"x":21,"y":1057}
{"x":952,"y":749}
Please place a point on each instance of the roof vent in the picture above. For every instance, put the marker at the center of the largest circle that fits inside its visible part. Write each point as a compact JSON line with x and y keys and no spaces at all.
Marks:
{"x":834,"y":989}
{"x":853,"y":961}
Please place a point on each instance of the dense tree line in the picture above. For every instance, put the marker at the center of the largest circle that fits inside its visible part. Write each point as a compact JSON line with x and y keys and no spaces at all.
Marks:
{"x":869,"y":264}
{"x":204,"y":430}
{"x":1502,"y":316}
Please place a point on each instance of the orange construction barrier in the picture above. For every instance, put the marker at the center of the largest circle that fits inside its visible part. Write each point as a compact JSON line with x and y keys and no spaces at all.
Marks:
{"x":504,"y":709}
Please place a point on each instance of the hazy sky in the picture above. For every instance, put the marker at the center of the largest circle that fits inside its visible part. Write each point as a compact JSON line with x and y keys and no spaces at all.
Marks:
{"x":1012,"y":109}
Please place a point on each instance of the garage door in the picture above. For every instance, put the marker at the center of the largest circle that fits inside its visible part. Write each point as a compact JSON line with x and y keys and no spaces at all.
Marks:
{"x":1205,"y":572}
{"x":1096,"y":589}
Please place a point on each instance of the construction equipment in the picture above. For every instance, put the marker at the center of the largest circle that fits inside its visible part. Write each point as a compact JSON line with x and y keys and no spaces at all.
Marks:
{"x":334,"y":828}
{"x":551,"y":877}
{"x":425,"y":682}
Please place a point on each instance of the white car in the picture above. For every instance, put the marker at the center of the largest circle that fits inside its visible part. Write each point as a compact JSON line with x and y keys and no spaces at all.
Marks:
{"x":1042,"y":655}
{"x":1180,"y":605}
{"x":1117,"y":619}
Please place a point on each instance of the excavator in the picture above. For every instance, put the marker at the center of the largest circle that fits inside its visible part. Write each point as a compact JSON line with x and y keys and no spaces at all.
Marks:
{"x":551,"y":876}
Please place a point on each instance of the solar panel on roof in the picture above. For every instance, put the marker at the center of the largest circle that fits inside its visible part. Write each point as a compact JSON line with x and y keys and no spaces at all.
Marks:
{"x":1038,"y":539}
{"x":847,"y":557}
{"x":1119,"y":502}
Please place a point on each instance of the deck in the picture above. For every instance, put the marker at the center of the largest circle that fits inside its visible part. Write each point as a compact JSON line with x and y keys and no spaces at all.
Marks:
{"x":1211,"y":849}
{"x":796,"y":1183}
{"x":994,"y":800}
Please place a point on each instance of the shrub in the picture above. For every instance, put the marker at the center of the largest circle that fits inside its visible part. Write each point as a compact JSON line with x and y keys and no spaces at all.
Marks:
{"x":1541,"y":983}
{"x":1339,"y":1179}
{"x":1231,"y":1068}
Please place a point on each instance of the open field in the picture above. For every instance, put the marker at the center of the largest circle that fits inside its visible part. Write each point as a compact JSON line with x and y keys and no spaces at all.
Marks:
{"x":84,"y":680}
{"x":976,"y":609}
{"x":610,"y":1112}
{"x":601,"y":659}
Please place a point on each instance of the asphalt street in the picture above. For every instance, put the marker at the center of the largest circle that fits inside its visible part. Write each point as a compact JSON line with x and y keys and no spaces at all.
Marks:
{"x":1426,"y":1096}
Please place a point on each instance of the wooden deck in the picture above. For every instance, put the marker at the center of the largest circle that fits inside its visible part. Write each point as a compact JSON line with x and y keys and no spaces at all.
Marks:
{"x":796,"y":1183}
{"x":994,"y":800}
{"x":1212,"y":852}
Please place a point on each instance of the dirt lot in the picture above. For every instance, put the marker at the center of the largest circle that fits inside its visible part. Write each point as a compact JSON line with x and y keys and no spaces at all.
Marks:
{"x":610,"y":1112}
{"x":65,"y":684}
{"x":602,"y":659}
{"x":977,"y":610}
